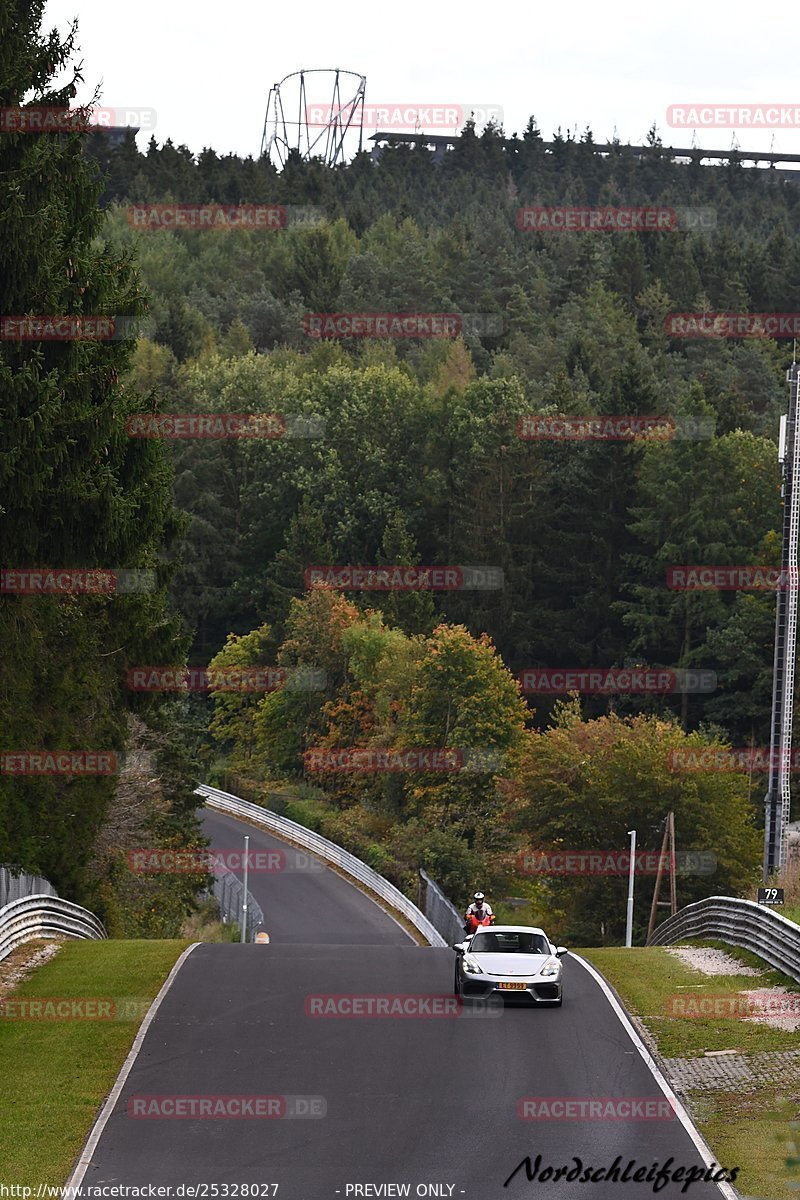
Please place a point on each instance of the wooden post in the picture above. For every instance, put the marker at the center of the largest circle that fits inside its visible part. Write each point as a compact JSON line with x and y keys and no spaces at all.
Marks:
{"x":673,"y":894}
{"x":659,"y":874}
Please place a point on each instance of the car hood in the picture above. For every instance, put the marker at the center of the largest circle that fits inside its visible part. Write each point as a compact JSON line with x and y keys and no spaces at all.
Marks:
{"x":511,"y":964}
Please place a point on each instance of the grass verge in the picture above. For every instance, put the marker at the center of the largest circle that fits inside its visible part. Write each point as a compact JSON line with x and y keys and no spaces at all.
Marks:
{"x":752,"y":1130}
{"x":55,"y":1074}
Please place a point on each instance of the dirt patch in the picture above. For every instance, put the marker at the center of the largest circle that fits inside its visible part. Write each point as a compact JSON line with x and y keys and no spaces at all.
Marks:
{"x":777,"y":1007}
{"x":710,"y":962}
{"x":23,"y":961}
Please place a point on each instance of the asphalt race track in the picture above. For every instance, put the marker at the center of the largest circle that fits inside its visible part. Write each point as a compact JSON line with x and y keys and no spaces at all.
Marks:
{"x":428,"y":1101}
{"x":302,"y":905}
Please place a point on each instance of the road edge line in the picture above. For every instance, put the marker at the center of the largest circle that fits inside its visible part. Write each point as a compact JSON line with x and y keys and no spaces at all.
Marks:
{"x":683,"y":1116}
{"x":84,"y":1161}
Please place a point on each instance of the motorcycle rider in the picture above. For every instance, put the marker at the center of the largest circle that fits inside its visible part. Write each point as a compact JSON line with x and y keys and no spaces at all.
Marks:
{"x":478,"y":912}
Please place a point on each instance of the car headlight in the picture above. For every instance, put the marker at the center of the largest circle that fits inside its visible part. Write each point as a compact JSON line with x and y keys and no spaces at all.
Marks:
{"x":471,"y":967}
{"x":550,"y":968}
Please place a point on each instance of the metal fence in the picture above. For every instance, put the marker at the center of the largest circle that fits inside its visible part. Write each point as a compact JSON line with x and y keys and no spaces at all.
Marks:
{"x":229,"y":891}
{"x":14,"y":886}
{"x":44,"y":916}
{"x":739,"y":923}
{"x":322,"y":848}
{"x":440,"y":912}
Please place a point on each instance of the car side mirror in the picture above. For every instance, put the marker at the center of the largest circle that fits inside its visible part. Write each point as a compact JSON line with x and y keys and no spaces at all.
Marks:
{"x":561,"y":951}
{"x":460,"y":947}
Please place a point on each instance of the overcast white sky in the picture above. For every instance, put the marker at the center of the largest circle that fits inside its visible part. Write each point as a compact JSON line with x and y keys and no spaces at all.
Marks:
{"x":206,"y":67}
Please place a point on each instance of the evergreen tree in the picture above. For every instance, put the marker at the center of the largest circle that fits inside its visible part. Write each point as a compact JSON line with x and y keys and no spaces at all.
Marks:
{"x":78,"y":492}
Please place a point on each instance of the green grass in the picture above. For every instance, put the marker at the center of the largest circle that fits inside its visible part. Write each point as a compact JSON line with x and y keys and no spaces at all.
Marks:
{"x":649,"y":979}
{"x":55,"y":1074}
{"x":751,"y":1130}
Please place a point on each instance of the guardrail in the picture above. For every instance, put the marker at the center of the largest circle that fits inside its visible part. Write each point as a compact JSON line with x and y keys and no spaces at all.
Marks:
{"x":739,"y":923}
{"x":329,"y":851}
{"x":45,"y":916}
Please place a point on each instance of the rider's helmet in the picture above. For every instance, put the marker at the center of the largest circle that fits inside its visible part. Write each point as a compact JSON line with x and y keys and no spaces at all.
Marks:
{"x":479,"y":898}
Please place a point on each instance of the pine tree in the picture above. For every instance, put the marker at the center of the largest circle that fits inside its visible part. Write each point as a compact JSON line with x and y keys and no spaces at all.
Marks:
{"x":78,"y":492}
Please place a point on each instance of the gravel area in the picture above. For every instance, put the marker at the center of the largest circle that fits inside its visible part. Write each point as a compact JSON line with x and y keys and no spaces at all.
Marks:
{"x":23,"y":961}
{"x":776,"y":1007}
{"x":710,"y":962}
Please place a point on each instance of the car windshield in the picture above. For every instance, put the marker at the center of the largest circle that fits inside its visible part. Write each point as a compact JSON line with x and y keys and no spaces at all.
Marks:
{"x":497,"y":942}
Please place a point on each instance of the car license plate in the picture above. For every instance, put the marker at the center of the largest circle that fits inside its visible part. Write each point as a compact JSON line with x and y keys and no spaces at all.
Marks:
{"x":511,"y":987}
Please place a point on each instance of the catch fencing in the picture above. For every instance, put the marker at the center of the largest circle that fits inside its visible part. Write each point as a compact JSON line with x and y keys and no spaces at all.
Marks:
{"x":229,"y":892}
{"x":440,"y":911}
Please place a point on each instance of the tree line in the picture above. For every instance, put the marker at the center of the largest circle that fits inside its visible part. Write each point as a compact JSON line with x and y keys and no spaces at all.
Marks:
{"x":417,"y":458}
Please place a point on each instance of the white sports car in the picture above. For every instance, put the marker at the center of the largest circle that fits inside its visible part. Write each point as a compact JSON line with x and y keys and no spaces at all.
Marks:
{"x":509,"y":960}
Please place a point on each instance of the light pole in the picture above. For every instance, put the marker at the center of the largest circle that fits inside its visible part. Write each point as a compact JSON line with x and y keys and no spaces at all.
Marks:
{"x":777,"y":799}
{"x":629,"y":925}
{"x":244,"y":901}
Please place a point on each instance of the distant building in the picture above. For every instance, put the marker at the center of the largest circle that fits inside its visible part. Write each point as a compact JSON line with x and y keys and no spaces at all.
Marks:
{"x":115,"y":134}
{"x":439,"y":144}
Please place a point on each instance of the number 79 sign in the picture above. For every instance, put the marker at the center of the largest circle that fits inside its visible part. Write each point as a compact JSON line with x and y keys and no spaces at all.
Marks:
{"x":770,"y":895}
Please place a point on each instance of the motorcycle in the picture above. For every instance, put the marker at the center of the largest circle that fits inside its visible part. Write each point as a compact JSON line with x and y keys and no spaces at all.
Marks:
{"x":472,"y":924}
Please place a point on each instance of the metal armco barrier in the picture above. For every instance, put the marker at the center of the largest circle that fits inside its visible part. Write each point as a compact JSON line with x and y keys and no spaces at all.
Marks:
{"x":739,"y":923}
{"x":329,"y":851}
{"x":45,"y":916}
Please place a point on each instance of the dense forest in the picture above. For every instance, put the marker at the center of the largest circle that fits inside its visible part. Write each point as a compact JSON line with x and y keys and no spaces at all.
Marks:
{"x":402,"y":450}
{"x":421,"y":455}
